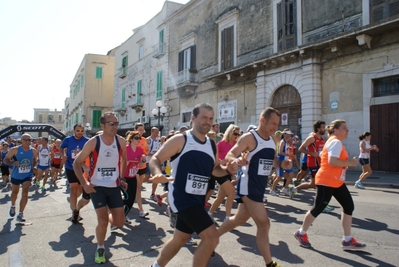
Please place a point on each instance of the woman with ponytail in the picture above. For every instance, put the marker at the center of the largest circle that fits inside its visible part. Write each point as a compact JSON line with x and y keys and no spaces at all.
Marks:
{"x":364,"y":158}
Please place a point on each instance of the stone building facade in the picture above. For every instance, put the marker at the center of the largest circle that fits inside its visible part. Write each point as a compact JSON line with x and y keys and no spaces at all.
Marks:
{"x":47,"y":116}
{"x":311,"y":60}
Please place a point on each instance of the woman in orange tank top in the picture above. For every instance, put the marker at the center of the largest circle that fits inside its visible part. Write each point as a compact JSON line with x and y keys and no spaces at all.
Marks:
{"x":330,"y":181}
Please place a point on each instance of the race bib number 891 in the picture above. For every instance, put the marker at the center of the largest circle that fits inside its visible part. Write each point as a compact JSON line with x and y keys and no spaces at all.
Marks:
{"x":265,"y":167}
{"x":196,"y":184}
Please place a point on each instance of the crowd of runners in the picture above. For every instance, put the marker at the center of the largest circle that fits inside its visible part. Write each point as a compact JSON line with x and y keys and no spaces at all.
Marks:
{"x":192,"y":164}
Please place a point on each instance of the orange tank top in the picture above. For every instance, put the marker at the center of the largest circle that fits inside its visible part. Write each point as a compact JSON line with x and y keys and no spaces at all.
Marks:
{"x":328,"y":175}
{"x":144,"y":146}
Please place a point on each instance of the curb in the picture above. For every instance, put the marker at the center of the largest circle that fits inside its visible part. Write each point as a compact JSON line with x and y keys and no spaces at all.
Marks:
{"x":382,"y":185}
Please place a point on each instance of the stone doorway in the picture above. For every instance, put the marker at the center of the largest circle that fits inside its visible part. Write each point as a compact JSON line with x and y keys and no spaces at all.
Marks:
{"x":287,"y":100}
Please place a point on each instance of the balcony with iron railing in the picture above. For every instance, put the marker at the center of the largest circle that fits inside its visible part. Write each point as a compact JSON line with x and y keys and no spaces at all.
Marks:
{"x":120,"y":108}
{"x":158,"y":50}
{"x":135,"y":102}
{"x":123,"y":72}
{"x":185,"y":82}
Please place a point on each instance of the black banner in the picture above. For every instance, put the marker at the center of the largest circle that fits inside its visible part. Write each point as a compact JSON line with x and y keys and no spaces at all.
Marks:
{"x":24,"y":128}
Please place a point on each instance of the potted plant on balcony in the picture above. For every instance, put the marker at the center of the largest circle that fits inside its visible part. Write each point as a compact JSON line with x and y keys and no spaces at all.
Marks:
{"x":193,"y":70}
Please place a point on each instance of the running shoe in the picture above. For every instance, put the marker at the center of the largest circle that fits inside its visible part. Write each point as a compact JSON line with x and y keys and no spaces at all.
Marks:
{"x":191,"y":242}
{"x":274,"y":193}
{"x":75,"y":216}
{"x":159,"y":200}
{"x":20,"y":217}
{"x":37,"y":184}
{"x":43,"y":188}
{"x":127,"y":220}
{"x":352,"y":244}
{"x":100,"y":256}
{"x":293,"y":192}
{"x":328,"y":209}
{"x":208,"y":205}
{"x":275,"y":264}
{"x":143,"y":213}
{"x":302,"y":239}
{"x":153,"y":197}
{"x":359,"y":185}
{"x":297,"y":182}
{"x":114,"y":228}
{"x":12,"y":211}
{"x":286,"y":192}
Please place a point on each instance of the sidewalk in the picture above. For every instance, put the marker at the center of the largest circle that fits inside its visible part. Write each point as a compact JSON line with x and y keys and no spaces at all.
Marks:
{"x":377,"y":179}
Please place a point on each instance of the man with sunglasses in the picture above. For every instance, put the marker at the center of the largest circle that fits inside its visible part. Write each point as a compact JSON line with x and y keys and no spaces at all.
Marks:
{"x":23,"y":158}
{"x":70,"y":148}
{"x":107,"y":152}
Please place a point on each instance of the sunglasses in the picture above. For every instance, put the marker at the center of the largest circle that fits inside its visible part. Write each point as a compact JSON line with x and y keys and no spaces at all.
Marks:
{"x":236,"y":134}
{"x":28,"y":140}
{"x":136,"y":138}
{"x":79,"y":131}
{"x":112,"y":123}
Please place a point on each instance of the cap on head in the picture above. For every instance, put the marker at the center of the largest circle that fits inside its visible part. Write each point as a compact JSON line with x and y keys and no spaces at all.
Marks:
{"x":277,"y":133}
{"x":287,"y":131}
{"x":250,"y":127}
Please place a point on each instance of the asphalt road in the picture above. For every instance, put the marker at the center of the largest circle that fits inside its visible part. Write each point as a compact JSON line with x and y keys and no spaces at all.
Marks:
{"x":52,"y":240}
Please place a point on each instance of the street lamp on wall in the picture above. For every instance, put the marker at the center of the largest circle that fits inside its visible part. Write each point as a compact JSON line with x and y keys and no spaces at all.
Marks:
{"x":158,"y":113}
{"x":87,"y":128}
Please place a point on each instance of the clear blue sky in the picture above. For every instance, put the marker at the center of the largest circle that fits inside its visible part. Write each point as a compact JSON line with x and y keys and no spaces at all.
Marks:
{"x":43,"y":42}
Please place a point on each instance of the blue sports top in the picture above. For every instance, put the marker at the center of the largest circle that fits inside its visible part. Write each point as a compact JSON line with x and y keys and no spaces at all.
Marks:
{"x":73,"y":147}
{"x":25,"y":169}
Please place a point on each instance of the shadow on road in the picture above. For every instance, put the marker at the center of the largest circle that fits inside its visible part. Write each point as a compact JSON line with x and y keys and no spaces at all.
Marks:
{"x":352,"y":261}
{"x":73,"y":242}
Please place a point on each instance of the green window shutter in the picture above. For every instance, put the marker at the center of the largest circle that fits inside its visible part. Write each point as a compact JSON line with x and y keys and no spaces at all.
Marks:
{"x":82,"y":79}
{"x":123,"y":98}
{"x":160,"y":49}
{"x":159,"y":85}
{"x":99,"y":72}
{"x":76,"y":117}
{"x":139,"y":84}
{"x":96,"y":118}
{"x":124,"y":61}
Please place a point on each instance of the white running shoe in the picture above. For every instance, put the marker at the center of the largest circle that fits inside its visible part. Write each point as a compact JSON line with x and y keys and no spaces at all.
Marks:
{"x":359,"y":185}
{"x":143,"y":213}
{"x":274,"y":193}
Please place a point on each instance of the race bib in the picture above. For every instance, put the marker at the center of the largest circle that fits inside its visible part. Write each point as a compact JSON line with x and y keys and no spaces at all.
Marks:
{"x":23,"y":169}
{"x":265,"y":167}
{"x":133,"y":171}
{"x":343,"y":174}
{"x":57,"y":156}
{"x":106,"y":173}
{"x":197,"y":184}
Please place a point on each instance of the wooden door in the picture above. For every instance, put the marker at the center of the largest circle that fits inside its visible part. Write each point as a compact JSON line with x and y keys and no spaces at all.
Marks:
{"x":287,"y":100}
{"x":384,"y":127}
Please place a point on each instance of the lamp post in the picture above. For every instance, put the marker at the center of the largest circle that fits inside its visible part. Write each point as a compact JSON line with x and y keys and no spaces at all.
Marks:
{"x":87,"y":128}
{"x":159,"y":112}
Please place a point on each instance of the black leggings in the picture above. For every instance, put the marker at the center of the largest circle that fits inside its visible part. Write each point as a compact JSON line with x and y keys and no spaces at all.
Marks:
{"x":323,"y":197}
{"x":131,"y":194}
